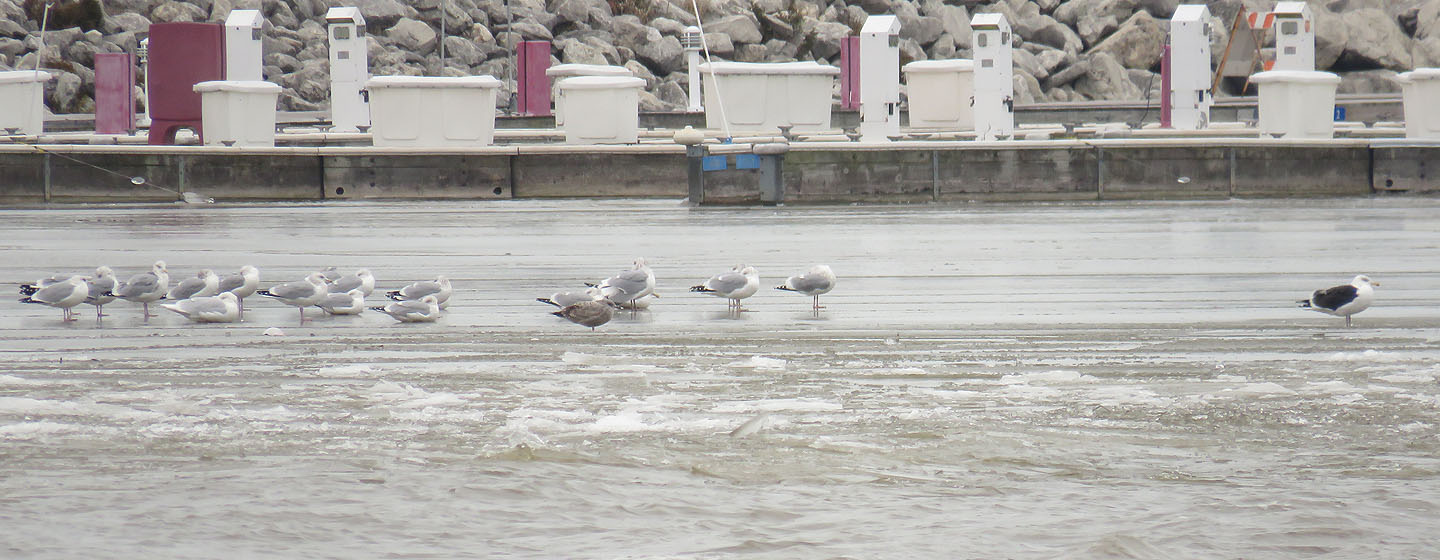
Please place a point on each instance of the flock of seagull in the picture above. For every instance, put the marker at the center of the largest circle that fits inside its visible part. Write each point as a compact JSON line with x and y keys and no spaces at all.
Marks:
{"x":210,"y":298}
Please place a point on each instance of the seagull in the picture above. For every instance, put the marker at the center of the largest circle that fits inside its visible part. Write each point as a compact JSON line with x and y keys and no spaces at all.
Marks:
{"x":146,"y":287}
{"x":410,"y":311}
{"x":587,"y":313}
{"x":243,"y":284}
{"x":101,"y":289}
{"x":439,"y":287}
{"x":64,"y":295}
{"x":565,"y":299}
{"x":630,"y":285}
{"x":348,"y":303}
{"x":1344,"y":300}
{"x":204,"y":284}
{"x":30,"y":289}
{"x":815,"y":282}
{"x":302,"y":294}
{"x":362,"y":279}
{"x":737,"y":284}
{"x":224,"y":308}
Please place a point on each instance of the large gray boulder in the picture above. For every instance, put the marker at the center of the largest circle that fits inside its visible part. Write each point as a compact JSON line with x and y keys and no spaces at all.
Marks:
{"x":742,"y":28}
{"x":719,"y":45}
{"x":1069,"y":13}
{"x":1426,"y":52}
{"x":1376,"y":41}
{"x":1106,"y":79}
{"x":12,"y":29}
{"x":1138,"y":43}
{"x":1369,"y":81}
{"x":413,"y":35}
{"x":1427,"y":20}
{"x":381,"y":14}
{"x":1329,"y":43}
{"x":1093,"y":28}
{"x":827,"y":37}
{"x":531,"y":30}
{"x":463,"y":51}
{"x":66,"y":91}
{"x":664,"y":55}
{"x":178,"y":12}
{"x":129,"y":21}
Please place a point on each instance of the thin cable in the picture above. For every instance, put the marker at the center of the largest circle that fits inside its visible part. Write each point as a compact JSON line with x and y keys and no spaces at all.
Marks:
{"x":133,"y":180}
{"x":719,"y":102}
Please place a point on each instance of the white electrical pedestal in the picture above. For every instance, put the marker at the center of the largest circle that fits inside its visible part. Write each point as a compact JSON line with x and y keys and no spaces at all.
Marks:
{"x":244,"y":57}
{"x":693,"y":41}
{"x":879,"y":79}
{"x":349,"y":70}
{"x":1294,"y":37}
{"x":1190,"y":67}
{"x":994,"y":75}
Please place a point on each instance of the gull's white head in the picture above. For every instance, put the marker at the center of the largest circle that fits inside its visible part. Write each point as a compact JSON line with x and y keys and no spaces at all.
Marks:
{"x":1363,"y":280}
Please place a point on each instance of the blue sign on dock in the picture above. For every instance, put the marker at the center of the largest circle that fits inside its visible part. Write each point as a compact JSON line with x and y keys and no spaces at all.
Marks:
{"x":1339,"y":113}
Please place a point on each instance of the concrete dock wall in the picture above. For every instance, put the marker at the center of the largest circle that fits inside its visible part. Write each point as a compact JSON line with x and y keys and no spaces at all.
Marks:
{"x":815,"y":172}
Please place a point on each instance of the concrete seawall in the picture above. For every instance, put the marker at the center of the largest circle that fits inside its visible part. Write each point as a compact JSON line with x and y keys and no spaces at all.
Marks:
{"x":815,"y":172}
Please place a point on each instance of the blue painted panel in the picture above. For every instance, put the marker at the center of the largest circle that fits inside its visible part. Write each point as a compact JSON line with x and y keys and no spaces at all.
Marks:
{"x":713,"y":163}
{"x":747,"y":161}
{"x":1339,"y":114}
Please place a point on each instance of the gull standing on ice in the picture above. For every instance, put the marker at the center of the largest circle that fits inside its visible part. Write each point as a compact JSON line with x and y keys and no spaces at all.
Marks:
{"x":439,"y":287}
{"x":146,"y":287}
{"x":626,"y":287}
{"x":737,"y":284}
{"x":30,"y":289}
{"x":224,"y":308}
{"x":817,"y":281}
{"x":362,"y":280}
{"x":204,"y":284}
{"x":348,"y":303}
{"x":427,"y":310}
{"x":302,"y":294}
{"x":243,"y":284}
{"x":101,"y":289}
{"x":566,"y":299}
{"x":1344,"y":300}
{"x":64,"y":295}
{"x":587,"y":313}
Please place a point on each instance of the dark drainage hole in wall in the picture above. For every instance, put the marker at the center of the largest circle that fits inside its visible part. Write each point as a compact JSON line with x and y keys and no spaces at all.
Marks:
{"x":339,"y":190}
{"x":499,"y":190}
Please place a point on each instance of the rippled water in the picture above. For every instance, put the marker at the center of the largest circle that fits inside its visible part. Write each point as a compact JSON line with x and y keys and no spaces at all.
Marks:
{"x":1026,"y":381}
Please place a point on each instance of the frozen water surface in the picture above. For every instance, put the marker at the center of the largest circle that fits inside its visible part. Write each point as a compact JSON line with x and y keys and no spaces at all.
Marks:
{"x":998,"y":381}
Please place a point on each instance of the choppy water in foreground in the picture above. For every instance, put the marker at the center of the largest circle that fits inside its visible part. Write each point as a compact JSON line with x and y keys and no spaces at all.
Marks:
{"x":1027,"y":381}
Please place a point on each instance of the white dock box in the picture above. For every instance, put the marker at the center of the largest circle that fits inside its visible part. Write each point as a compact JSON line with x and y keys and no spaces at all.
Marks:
{"x":1422,"y":111}
{"x":940,"y":94}
{"x":766,"y":96}
{"x":1296,"y":104}
{"x":560,"y":72}
{"x":238,"y":112}
{"x":603,"y":109}
{"x":22,"y":94}
{"x":432,"y":111}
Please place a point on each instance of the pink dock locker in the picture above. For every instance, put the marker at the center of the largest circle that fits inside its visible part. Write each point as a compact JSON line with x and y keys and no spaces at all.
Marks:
{"x":114,"y":93}
{"x":533,"y":88}
{"x":180,"y":56}
{"x":850,"y":73}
